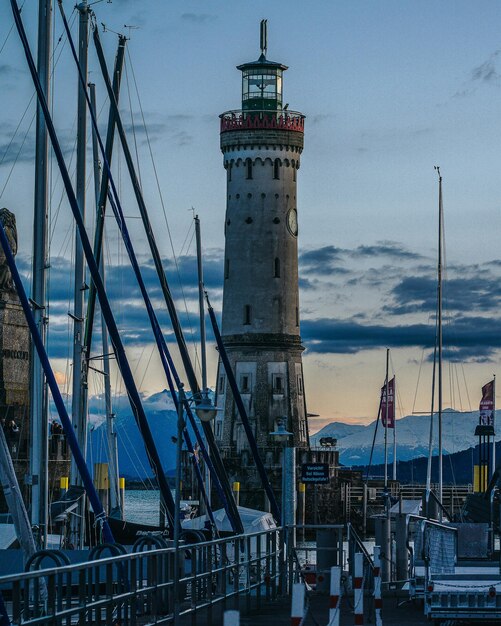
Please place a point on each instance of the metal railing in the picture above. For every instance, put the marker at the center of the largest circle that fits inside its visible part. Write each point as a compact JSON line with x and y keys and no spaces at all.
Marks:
{"x":266,"y":119}
{"x":138,"y":588}
{"x":437,"y":545}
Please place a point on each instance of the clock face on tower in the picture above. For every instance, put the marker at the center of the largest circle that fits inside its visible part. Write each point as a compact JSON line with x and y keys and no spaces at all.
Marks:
{"x":292,"y":222}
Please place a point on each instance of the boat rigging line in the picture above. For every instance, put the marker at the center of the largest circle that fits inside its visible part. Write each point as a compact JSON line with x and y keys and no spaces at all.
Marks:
{"x":117,"y":210}
{"x":223,"y":355}
{"x":215,"y":458}
{"x":100,"y":515}
{"x":133,"y":393}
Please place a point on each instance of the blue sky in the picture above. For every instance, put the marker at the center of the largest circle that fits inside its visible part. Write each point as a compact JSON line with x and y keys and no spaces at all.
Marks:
{"x":390,"y":89}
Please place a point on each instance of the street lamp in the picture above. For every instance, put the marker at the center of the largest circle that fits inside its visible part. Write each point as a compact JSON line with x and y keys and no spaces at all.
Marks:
{"x":206,"y":412}
{"x":204,"y":408}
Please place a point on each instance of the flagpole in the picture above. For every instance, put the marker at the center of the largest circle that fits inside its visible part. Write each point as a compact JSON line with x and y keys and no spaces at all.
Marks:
{"x":386,"y":421}
{"x":494,"y":425}
{"x":394,"y":429}
{"x":440,"y":452}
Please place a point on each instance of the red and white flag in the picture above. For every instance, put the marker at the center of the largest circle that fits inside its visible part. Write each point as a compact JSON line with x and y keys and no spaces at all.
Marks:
{"x":486,"y":417}
{"x":388,"y":407}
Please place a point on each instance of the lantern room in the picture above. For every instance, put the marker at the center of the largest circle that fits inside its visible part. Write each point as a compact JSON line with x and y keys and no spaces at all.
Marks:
{"x":262,"y":80}
{"x":262,"y":85}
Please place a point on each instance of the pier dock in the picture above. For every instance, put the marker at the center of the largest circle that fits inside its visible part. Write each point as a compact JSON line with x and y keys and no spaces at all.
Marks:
{"x":260,"y":575}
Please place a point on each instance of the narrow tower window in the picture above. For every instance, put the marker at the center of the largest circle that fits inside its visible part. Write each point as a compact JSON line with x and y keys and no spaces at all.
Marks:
{"x":278,"y":384}
{"x":221,"y":384}
{"x":248,"y":165}
{"x":227,"y":268}
{"x":245,"y":383}
{"x":247,"y":314}
{"x":277,"y":268}
{"x":229,"y":172}
{"x":276,"y":169}
{"x":293,"y":173}
{"x":297,"y":316}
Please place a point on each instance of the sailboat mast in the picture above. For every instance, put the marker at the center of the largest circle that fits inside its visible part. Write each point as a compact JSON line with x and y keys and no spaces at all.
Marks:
{"x":203,"y":356}
{"x":394,"y":430}
{"x":112,"y":447}
{"x":78,"y":417}
{"x":386,"y":420}
{"x":439,"y":297}
{"x":203,"y":352}
{"x":39,"y":451}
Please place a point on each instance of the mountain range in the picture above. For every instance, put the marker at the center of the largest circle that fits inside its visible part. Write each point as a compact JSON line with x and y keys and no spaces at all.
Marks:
{"x":354,"y":441}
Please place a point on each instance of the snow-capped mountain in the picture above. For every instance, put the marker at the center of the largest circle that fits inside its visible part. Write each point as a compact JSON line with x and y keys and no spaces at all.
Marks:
{"x":412,"y":437}
{"x":133,"y":462}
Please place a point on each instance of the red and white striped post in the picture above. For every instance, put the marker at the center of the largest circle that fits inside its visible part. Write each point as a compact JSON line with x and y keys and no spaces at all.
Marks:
{"x":231,"y":618}
{"x":297,"y":611}
{"x":378,"y":602}
{"x":358,"y":589}
{"x":335,"y":597}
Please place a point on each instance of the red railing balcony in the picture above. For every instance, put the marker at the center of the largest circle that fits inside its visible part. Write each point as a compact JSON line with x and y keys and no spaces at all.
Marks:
{"x":272,"y":120}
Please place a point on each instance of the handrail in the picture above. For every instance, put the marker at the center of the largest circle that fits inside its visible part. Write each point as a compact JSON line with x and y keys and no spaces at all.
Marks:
{"x":132,"y":555}
{"x":494,"y":492}
{"x":279,"y":119}
{"x":247,"y":566}
{"x":360,"y":545}
{"x":431,"y":494}
{"x":450,"y":529}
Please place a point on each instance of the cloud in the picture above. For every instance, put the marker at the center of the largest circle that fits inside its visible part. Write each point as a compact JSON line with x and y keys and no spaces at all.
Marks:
{"x":323,"y":261}
{"x":385,"y":248}
{"x":125,"y":296}
{"x":158,"y":126}
{"x":8,"y":70}
{"x":198,"y":18}
{"x":485,"y":73}
{"x":466,"y":293}
{"x":469,"y":338}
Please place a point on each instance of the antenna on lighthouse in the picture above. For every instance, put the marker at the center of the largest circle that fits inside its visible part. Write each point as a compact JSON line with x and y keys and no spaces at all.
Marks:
{"x":264,"y":36}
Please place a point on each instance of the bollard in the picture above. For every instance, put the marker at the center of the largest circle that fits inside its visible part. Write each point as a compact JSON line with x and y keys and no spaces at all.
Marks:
{"x":358,"y":580}
{"x":335,"y":596}
{"x":231,"y":618}
{"x":297,"y":612}
{"x":63,"y":485}
{"x":101,"y":482}
{"x":236,"y":492}
{"x":301,"y":507}
{"x":122,"y":495}
{"x":378,"y":602}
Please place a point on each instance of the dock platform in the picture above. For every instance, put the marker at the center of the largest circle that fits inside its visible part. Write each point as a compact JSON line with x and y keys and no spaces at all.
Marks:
{"x":278,"y":613}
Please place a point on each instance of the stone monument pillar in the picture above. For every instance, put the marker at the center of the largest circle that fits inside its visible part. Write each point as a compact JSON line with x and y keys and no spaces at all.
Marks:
{"x":14,"y":361}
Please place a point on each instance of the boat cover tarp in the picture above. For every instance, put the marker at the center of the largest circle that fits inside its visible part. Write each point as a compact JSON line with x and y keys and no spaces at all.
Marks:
{"x":66,"y":504}
{"x":253,"y":521}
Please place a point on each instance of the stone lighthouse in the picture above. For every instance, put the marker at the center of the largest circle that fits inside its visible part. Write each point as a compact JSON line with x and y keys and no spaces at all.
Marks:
{"x":261,"y":144}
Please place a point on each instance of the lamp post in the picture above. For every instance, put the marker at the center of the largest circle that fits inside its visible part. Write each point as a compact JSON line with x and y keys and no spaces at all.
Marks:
{"x":282,"y":436}
{"x":288,"y":508}
{"x":206,"y":412}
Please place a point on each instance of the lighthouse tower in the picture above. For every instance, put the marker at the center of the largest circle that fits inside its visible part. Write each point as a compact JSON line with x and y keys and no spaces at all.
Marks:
{"x":261,"y":145}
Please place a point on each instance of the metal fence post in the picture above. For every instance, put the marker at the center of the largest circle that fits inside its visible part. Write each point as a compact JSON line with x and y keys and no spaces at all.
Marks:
{"x":297,"y":609}
{"x":232,"y":618}
{"x":335,"y":596}
{"x":378,"y":602}
{"x":358,"y":582}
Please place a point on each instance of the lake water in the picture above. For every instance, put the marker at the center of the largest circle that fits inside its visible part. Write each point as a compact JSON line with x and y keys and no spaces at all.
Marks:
{"x":142,"y":506}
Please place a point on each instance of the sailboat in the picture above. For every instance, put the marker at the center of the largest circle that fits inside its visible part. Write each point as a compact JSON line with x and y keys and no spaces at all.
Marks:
{"x":213,"y":461}
{"x":434,"y":506}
